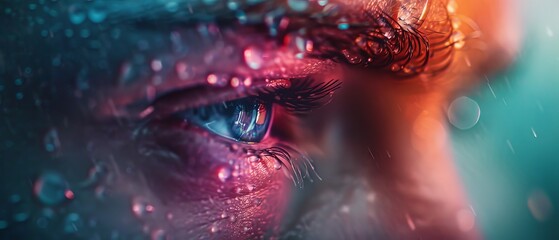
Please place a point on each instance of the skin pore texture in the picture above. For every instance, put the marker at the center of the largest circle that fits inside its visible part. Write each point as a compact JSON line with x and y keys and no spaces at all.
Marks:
{"x":108,"y":93}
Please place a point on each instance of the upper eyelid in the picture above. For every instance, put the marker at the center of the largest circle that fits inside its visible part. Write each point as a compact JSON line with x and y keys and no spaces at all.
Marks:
{"x":301,"y":96}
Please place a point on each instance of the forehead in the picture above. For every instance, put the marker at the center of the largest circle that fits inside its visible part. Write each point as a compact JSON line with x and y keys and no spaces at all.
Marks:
{"x":208,"y":10}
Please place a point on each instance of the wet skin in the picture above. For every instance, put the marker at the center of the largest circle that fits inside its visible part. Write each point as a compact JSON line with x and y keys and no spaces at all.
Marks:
{"x":101,"y":107}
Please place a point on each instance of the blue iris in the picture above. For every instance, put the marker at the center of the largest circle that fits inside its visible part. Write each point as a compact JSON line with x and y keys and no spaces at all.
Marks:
{"x":245,"y":120}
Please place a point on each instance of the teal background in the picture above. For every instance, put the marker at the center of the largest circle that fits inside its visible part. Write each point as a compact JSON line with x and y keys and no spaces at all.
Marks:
{"x":501,"y":160}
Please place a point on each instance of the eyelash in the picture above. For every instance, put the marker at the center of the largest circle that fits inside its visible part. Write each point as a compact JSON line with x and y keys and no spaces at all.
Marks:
{"x":300,"y":97}
{"x":299,"y":165}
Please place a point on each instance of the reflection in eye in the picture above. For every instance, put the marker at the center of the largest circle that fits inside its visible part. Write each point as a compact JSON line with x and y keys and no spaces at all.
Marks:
{"x":245,"y":120}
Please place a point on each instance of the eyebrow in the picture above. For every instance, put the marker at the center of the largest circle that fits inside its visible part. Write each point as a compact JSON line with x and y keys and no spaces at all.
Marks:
{"x":331,"y":39}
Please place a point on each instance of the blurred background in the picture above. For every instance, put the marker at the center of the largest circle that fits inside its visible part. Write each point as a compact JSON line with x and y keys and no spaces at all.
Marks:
{"x":509,"y":158}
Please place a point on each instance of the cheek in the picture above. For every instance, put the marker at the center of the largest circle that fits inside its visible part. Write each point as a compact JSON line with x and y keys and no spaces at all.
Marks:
{"x":210,"y":188}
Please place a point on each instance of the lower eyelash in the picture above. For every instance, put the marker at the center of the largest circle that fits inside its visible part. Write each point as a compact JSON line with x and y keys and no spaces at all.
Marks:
{"x":299,"y":166}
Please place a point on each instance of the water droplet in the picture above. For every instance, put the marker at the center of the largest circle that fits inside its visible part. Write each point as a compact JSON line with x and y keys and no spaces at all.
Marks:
{"x":184,"y":71}
{"x":277,"y":165}
{"x":21,"y":216}
{"x":50,"y":188}
{"x":233,"y":4}
{"x":247,"y":82}
{"x":3,"y":224}
{"x":156,"y":65}
{"x":251,"y":187}
{"x":141,"y":207}
{"x":158,"y":234}
{"x":452,"y":6}
{"x":211,"y":79}
{"x":253,"y":158}
{"x":466,"y":219}
{"x":540,"y":205}
{"x":42,"y":222}
{"x":223,"y":174}
{"x":458,"y":39}
{"x":464,"y":113}
{"x":352,"y":57}
{"x":214,"y":228}
{"x":77,"y":14}
{"x":253,"y":57}
{"x":298,"y":5}
{"x":97,"y":13}
{"x":100,"y":192}
{"x":343,"y":26}
{"x":72,"y":223}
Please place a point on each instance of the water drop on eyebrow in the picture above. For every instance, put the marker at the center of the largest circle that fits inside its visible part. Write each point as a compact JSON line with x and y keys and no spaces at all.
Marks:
{"x":223,"y":174}
{"x":51,"y":188}
{"x":253,"y":58}
{"x":322,"y":2}
{"x":458,"y":39}
{"x":352,"y":57}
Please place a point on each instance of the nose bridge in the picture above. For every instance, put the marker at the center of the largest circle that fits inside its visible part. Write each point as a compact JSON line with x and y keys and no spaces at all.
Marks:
{"x":397,"y":140}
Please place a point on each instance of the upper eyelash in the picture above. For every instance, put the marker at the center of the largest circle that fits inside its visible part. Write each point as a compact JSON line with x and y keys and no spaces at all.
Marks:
{"x":302,"y":96}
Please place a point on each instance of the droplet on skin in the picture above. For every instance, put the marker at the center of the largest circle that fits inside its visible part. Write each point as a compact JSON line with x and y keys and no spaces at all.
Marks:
{"x":141,"y":207}
{"x":214,"y":229}
{"x":458,"y":39}
{"x":51,"y":188}
{"x":465,"y":219}
{"x":298,"y":5}
{"x":464,"y":113}
{"x":277,"y":165}
{"x":253,"y":58}
{"x":253,"y":158}
{"x":223,"y":174}
{"x":158,"y":234}
{"x":540,"y":205}
{"x":251,"y":187}
{"x":212,"y":79}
